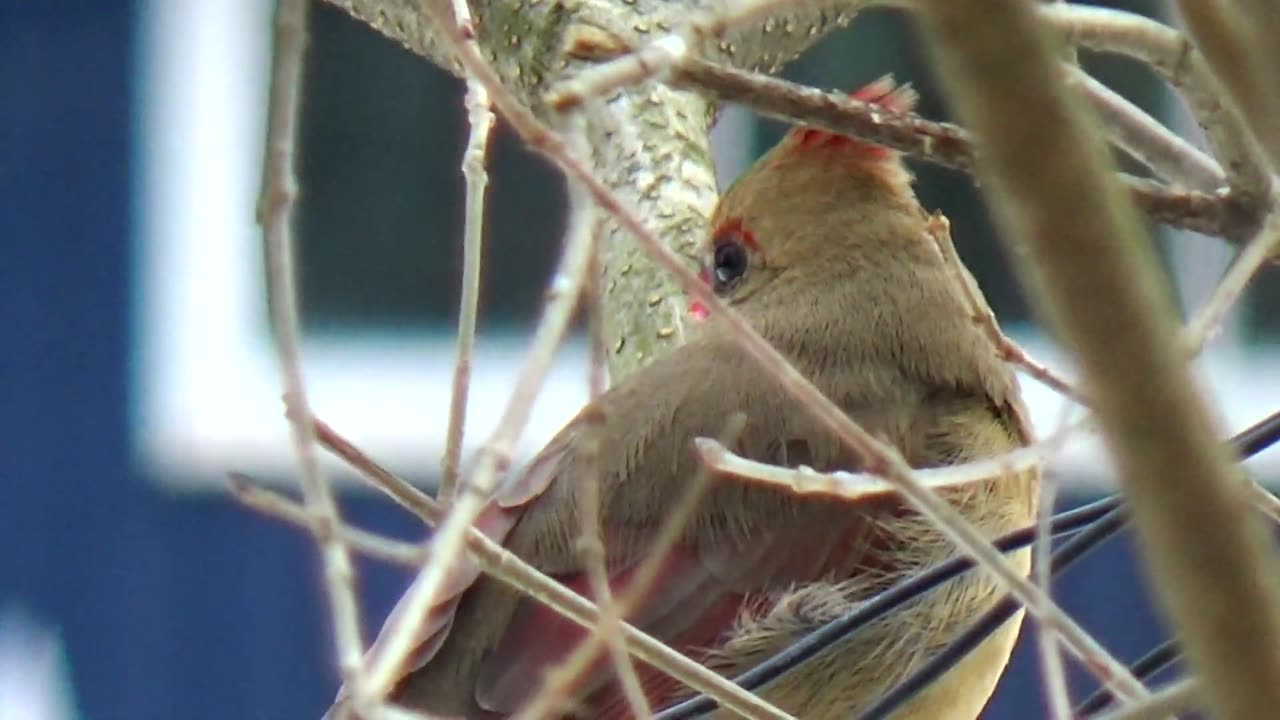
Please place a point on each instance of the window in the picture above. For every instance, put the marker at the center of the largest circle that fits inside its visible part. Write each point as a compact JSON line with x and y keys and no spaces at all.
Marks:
{"x":379,"y":222}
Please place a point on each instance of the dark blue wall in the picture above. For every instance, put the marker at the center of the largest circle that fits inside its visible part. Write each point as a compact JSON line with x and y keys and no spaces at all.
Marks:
{"x":181,"y":606}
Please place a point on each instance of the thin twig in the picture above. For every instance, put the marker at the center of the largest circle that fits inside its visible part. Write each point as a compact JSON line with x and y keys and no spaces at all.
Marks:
{"x":566,"y":286}
{"x":1143,"y":137}
{"x":591,"y":547}
{"x":939,"y":228}
{"x":269,"y":502}
{"x":401,"y":491}
{"x":275,"y":209}
{"x":560,"y":681}
{"x":1052,"y":668}
{"x":514,"y":572}
{"x":879,"y":458}
{"x":1179,"y":697}
{"x":860,"y":487}
{"x":1202,"y":327}
{"x":481,"y":119}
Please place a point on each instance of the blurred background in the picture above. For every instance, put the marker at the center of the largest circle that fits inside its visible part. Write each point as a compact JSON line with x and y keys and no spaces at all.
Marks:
{"x":135,"y":368}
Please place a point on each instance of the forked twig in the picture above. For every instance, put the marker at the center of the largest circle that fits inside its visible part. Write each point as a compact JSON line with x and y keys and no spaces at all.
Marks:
{"x":275,"y":211}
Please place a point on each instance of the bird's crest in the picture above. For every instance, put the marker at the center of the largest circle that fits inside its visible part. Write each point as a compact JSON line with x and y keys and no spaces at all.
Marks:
{"x":885,"y":93}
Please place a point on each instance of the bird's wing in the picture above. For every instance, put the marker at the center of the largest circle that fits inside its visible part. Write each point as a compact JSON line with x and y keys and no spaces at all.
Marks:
{"x":749,"y":544}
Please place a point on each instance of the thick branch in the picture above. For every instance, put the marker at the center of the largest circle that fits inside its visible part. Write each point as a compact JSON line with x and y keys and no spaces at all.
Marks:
{"x":1097,"y":281}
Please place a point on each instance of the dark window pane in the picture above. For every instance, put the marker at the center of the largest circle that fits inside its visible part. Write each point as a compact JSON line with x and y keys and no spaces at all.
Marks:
{"x":381,"y":213}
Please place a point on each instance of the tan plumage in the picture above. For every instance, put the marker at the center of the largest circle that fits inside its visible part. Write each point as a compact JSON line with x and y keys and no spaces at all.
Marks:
{"x":841,"y":276}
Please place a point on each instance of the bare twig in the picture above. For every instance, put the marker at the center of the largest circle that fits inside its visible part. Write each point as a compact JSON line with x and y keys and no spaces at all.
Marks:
{"x":591,"y":547}
{"x":519,"y":575}
{"x":1200,"y":329}
{"x":1179,"y":697}
{"x":1143,"y":137}
{"x":560,"y":681}
{"x":859,"y":487}
{"x":878,"y":457}
{"x":939,"y":229}
{"x":1052,"y":668}
{"x":405,"y":494}
{"x":477,"y":178}
{"x":1232,"y":215}
{"x":1083,"y":252}
{"x":269,"y":502}
{"x":275,"y":209}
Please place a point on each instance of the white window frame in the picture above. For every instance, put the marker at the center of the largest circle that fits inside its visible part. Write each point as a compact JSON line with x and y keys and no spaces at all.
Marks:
{"x":205,"y":385}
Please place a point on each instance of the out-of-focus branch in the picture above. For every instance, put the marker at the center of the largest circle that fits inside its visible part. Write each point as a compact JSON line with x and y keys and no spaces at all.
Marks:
{"x":1239,"y":42}
{"x":1179,"y":697}
{"x":1170,"y":54}
{"x":1140,"y":135}
{"x":1228,"y":215}
{"x":275,"y":212}
{"x":1081,"y":251}
{"x":1207,"y":321}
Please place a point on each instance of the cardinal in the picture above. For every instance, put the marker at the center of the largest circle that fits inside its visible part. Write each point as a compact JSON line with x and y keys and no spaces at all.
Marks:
{"x":823,"y":247}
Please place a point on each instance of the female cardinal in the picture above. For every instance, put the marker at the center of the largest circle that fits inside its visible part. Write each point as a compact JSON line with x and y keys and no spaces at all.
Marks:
{"x":824,"y":249}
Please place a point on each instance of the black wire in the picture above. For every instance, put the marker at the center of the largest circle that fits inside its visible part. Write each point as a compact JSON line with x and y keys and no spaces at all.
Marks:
{"x":917,"y":585}
{"x":1104,"y":517}
{"x":1072,"y":550}
{"x":1247,"y":443}
{"x":1153,"y":662}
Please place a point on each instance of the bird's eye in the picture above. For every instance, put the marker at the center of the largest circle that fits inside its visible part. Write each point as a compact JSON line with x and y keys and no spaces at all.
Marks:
{"x":731,"y":263}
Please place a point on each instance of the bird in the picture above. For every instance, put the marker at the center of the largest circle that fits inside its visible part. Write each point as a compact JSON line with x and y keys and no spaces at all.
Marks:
{"x":824,"y":249}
